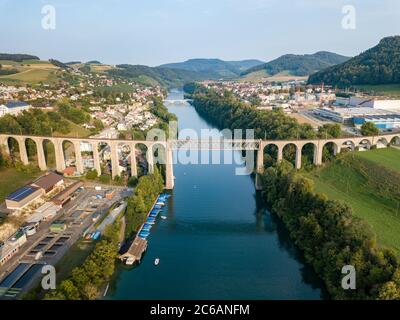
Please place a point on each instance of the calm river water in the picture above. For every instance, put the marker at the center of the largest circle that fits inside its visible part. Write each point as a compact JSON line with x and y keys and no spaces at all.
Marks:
{"x":219,"y":241}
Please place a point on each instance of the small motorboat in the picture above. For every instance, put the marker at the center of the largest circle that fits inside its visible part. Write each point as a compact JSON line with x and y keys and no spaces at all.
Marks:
{"x":164,"y":217}
{"x":129,"y":261}
{"x":156,"y":262}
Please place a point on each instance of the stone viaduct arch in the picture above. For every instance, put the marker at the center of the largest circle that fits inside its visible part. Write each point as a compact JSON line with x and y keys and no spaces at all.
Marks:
{"x":255,"y":145}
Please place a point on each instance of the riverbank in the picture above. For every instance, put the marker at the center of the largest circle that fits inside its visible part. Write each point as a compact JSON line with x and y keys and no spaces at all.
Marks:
{"x":331,"y":237}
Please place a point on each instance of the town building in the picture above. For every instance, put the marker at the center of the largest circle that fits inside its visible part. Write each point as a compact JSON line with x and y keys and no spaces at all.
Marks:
{"x":13,"y":108}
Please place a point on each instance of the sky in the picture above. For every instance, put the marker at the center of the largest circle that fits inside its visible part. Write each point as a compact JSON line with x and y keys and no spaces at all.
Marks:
{"x":153,"y":32}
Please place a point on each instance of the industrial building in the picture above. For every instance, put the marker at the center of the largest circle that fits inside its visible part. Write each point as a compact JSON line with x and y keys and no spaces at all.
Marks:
{"x":14,"y":108}
{"x":48,"y":182}
{"x":66,"y":195}
{"x":11,"y":246}
{"x":45,"y":213}
{"x":23,"y":197}
{"x":382,"y":122}
{"x":347,"y":115}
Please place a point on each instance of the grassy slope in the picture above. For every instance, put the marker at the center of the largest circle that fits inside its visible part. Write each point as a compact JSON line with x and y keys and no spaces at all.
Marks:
{"x":30,"y":72}
{"x":344,"y":183}
{"x":11,"y":180}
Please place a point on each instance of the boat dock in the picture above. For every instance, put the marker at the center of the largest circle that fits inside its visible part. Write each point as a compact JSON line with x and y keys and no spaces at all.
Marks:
{"x":135,"y":251}
{"x":139,"y":245}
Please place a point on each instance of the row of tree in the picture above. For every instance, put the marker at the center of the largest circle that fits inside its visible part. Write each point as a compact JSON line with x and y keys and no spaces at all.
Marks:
{"x":146,"y":192}
{"x":331,"y":237}
{"x":86,"y":281}
{"x":34,"y":122}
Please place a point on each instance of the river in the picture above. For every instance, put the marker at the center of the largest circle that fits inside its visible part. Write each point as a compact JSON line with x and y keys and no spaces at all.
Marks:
{"x":219,"y":241}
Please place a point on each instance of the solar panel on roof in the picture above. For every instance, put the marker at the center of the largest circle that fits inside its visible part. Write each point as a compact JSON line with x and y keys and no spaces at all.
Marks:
{"x":21,"y":193}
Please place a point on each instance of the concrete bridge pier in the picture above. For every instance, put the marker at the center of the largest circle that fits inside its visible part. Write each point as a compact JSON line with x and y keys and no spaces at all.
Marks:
{"x":78,"y":157}
{"x":60,"y":160}
{"x":22,"y":151}
{"x":41,"y":157}
{"x":298,"y":158}
{"x":96,"y":158}
{"x":150,"y":159}
{"x":260,"y":160}
{"x":114,"y":160}
{"x":134,"y":172}
{"x":169,"y":170}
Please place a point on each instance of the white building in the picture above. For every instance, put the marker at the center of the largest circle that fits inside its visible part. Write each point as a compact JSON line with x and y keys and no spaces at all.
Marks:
{"x":14,"y":108}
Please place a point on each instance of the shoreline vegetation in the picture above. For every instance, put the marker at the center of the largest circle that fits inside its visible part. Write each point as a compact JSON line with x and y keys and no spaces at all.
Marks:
{"x":326,"y":231}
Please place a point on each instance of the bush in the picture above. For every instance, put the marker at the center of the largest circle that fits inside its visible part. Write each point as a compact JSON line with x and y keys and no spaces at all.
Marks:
{"x":92,"y":174}
{"x":132,"y":182}
{"x":105,"y":179}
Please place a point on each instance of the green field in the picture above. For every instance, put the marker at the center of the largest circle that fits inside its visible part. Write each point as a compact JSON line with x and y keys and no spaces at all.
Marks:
{"x":11,"y":180}
{"x":384,"y":89}
{"x":389,"y":157}
{"x":361,"y":181}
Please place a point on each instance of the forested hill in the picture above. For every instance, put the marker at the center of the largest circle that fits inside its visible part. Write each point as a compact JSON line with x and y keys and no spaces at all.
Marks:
{"x":215,"y":68}
{"x":17,"y":57}
{"x":300,"y":65}
{"x":378,"y":65}
{"x":165,"y":77}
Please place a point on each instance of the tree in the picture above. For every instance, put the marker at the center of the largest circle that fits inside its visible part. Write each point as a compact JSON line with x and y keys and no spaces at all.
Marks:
{"x":369,"y":129}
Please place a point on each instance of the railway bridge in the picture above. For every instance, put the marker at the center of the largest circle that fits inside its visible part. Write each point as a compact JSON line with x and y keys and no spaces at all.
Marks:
{"x":258,"y":146}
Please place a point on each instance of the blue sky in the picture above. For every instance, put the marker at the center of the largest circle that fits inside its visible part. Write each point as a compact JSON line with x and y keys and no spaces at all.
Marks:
{"x":153,"y":32}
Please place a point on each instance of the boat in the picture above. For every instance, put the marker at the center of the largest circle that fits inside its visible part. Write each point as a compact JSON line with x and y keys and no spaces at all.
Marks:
{"x":164,"y":217}
{"x":129,"y":261}
{"x":157,"y":261}
{"x":160,"y":204}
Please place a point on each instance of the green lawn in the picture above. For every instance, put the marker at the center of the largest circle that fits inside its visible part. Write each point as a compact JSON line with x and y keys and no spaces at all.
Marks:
{"x":11,"y":180}
{"x":345,"y":182}
{"x":389,"y":157}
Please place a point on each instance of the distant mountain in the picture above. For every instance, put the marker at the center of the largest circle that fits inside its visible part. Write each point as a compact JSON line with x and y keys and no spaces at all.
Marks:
{"x":93,"y":62}
{"x":299,"y":65}
{"x":214,"y":68}
{"x":17,"y":57}
{"x":166,"y":77}
{"x":378,"y":65}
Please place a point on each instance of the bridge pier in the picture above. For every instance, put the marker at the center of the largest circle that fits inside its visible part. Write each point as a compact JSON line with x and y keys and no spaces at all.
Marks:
{"x":114,"y":160}
{"x":22,"y":151}
{"x":150,"y":159}
{"x":59,"y":152}
{"x":260,"y":160}
{"x":96,"y":158}
{"x":298,"y":157}
{"x":134,"y":172}
{"x":78,"y":157}
{"x":169,"y":170}
{"x":41,"y":157}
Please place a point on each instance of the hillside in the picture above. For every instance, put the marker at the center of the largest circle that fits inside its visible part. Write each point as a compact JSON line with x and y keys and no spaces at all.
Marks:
{"x":214,"y":68}
{"x":155,"y":75}
{"x":299,"y":65}
{"x":369,"y":183}
{"x":376,"y":66}
{"x":17,"y":57}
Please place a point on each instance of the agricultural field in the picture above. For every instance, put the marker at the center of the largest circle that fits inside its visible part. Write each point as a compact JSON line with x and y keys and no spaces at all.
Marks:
{"x":29,"y":72}
{"x":370,"y":183}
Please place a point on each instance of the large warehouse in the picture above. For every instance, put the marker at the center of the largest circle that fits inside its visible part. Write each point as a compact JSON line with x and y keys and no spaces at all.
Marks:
{"x":23,"y":197}
{"x":382,"y":122}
